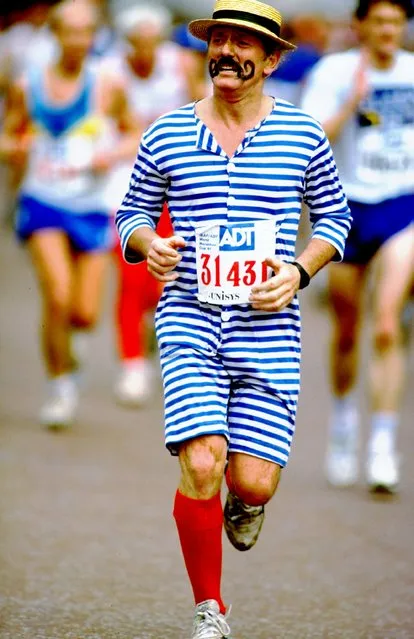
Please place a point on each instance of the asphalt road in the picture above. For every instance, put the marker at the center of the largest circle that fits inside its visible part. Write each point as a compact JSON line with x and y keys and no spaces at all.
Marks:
{"x":88,"y":547}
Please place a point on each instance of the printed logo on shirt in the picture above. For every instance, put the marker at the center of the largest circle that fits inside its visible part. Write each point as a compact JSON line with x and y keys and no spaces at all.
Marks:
{"x":241,"y":238}
{"x":389,"y":107}
{"x":385,"y":148}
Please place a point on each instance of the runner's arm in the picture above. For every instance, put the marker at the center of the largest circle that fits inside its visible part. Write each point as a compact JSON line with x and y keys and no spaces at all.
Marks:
{"x":14,"y":138}
{"x":316,"y":255}
{"x":140,"y":211}
{"x":117,"y":107}
{"x":329,"y":212}
{"x":129,"y":125}
{"x":16,"y":135}
{"x":331,"y":219}
{"x":278,"y":291}
{"x":140,"y":241}
{"x":332,"y":99}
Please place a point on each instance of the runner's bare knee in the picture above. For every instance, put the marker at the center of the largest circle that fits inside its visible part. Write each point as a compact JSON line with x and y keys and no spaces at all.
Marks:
{"x":202,"y":464}
{"x":256,"y":488}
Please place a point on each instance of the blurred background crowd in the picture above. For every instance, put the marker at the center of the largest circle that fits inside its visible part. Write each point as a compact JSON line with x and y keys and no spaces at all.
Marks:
{"x":147,"y":47}
{"x":27,"y":40}
{"x":317,"y":27}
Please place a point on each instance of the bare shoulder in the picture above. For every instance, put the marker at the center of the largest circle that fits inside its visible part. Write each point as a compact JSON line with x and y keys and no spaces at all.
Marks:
{"x":111,"y":87}
{"x":20,"y":84}
{"x":111,"y":77}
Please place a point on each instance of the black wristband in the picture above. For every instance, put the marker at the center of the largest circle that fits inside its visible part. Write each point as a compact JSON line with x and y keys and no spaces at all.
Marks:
{"x":304,"y":275}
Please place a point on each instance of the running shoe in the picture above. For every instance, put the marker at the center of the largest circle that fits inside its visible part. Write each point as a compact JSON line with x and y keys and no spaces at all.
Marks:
{"x":132,"y":388}
{"x":341,"y":461}
{"x":242,"y":522}
{"x":209,"y":622}
{"x":59,"y":410}
{"x":341,"y":464}
{"x":382,"y":472}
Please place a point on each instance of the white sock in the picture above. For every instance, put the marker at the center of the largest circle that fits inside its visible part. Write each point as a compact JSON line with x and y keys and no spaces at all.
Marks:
{"x":79,"y":344}
{"x":63,"y":385}
{"x":383,"y":432}
{"x":345,"y":416}
{"x":134,"y":364}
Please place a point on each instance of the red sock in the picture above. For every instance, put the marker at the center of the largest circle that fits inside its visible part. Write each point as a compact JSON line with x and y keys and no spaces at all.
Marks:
{"x":200,"y":523}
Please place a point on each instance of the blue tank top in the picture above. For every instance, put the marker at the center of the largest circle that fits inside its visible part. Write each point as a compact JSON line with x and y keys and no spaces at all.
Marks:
{"x":57,"y":119}
{"x":67,"y":136}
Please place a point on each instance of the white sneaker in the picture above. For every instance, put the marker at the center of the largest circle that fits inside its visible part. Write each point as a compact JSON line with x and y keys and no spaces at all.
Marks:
{"x":133,"y":386}
{"x":341,"y":462}
{"x":382,"y":472}
{"x":209,"y":622}
{"x":59,"y":410}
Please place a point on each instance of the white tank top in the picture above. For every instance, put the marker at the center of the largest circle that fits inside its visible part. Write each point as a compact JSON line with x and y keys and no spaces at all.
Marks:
{"x":150,"y":98}
{"x":164,"y":91}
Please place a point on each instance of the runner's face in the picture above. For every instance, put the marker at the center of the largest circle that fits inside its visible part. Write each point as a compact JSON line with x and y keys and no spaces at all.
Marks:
{"x":143,"y":47}
{"x":75,"y":36}
{"x":383,"y":29}
{"x":236,"y":57}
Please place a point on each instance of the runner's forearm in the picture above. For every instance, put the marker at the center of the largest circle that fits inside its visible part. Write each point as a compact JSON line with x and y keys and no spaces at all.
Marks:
{"x":127,"y":148}
{"x":333,"y":126}
{"x":139,"y":242}
{"x":316,"y":255}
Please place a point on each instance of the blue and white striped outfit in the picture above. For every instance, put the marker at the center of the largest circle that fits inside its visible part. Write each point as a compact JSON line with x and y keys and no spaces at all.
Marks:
{"x":232,"y":370}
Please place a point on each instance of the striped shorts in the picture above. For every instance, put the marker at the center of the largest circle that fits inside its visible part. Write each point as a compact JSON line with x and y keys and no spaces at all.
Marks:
{"x":225,"y":376}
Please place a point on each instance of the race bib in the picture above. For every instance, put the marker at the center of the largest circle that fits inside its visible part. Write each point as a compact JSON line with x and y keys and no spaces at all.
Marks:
{"x":63,"y":164}
{"x":386,"y":156}
{"x":230,"y":260}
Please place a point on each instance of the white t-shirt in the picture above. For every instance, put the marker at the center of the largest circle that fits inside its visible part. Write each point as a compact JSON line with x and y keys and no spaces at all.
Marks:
{"x":375,"y":151}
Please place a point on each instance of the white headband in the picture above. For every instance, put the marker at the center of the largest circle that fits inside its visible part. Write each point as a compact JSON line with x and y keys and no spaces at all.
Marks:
{"x":135,"y":17}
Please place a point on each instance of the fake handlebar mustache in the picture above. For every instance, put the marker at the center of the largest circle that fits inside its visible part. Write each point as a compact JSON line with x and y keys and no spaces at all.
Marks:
{"x":244,"y":72}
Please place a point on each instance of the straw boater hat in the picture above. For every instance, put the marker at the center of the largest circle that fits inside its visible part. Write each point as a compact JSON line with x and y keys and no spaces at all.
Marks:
{"x":247,"y":14}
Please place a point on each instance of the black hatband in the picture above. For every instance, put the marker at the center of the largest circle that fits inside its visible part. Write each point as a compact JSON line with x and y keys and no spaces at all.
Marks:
{"x":261,"y":21}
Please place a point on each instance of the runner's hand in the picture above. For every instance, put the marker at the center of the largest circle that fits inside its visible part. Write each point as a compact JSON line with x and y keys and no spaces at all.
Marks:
{"x":163,"y":257}
{"x":360,"y":84}
{"x":278,"y":291}
{"x":102,"y":163}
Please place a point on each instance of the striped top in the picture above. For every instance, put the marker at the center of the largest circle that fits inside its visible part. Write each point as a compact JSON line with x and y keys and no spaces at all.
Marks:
{"x":282,"y":162}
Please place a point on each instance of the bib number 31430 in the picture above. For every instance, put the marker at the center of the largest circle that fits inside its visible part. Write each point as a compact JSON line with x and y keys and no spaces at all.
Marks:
{"x":231,"y":259}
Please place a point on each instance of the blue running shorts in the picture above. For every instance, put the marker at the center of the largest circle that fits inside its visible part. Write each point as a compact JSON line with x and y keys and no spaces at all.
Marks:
{"x":374,"y":224}
{"x":87,"y":232}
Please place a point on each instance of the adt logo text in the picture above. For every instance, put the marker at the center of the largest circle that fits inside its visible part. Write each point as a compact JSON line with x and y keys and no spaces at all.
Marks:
{"x":237,"y":239}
